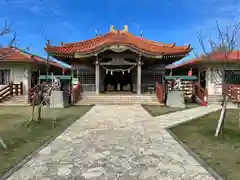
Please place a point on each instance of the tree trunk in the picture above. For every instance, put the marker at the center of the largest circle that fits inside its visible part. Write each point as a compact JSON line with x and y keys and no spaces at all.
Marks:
{"x":40,"y":95}
{"x":39,"y":118}
{"x":238,"y":116}
{"x":220,"y":126}
{"x":2,"y":143}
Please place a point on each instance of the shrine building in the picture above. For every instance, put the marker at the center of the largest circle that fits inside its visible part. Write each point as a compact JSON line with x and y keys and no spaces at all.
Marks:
{"x":118,"y":61}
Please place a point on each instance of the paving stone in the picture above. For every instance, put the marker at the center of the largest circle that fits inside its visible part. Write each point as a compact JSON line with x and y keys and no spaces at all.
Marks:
{"x":94,"y":172}
{"x":118,"y":142}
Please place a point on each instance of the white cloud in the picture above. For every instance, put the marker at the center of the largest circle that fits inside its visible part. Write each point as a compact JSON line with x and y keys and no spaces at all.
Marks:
{"x":56,"y":12}
{"x":38,"y":7}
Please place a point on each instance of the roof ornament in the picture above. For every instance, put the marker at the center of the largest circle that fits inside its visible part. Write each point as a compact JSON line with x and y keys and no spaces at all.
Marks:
{"x":112,"y":28}
{"x":96,"y":33}
{"x":141,"y":33}
{"x":125,"y":29}
{"x":188,"y":47}
{"x":48,"y":43}
{"x":62,"y":43}
{"x":174,"y":44}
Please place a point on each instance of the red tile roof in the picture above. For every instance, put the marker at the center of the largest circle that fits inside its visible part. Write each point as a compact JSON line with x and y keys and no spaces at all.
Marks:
{"x":234,"y":56}
{"x":13,"y":54}
{"x":117,"y":37}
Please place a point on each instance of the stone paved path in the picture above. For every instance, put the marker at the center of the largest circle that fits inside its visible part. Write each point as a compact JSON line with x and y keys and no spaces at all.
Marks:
{"x":117,"y":142}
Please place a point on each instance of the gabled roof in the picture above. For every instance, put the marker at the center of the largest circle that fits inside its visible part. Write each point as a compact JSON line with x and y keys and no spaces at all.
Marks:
{"x":13,"y":54}
{"x":215,"y":57}
{"x":117,"y":37}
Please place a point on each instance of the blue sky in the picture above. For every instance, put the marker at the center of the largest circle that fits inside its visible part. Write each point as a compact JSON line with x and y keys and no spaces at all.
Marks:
{"x":165,"y":21}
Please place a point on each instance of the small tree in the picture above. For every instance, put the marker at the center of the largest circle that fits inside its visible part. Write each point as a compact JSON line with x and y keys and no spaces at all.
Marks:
{"x":5,"y":31}
{"x":221,"y":48}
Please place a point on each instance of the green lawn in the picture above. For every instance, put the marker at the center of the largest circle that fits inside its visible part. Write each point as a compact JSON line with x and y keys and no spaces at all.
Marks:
{"x":155,"y":110}
{"x":21,"y":141}
{"x":222,"y":153}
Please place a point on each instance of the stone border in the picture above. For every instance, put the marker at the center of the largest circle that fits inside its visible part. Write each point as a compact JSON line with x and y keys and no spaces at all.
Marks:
{"x":32,"y":154}
{"x":193,"y":154}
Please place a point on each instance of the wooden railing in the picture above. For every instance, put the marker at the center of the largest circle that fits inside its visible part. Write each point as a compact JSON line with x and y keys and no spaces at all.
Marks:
{"x":160,"y":91}
{"x":31,"y":93}
{"x":11,"y":90}
{"x":200,"y":92}
{"x":233,"y":92}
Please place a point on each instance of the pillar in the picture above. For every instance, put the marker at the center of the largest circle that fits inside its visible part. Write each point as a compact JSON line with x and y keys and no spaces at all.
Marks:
{"x":97,"y":76}
{"x":209,"y":81}
{"x":139,"y":73}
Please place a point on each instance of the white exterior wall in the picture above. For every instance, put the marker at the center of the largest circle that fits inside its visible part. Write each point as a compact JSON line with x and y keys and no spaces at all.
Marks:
{"x":20,"y":72}
{"x":214,"y":81}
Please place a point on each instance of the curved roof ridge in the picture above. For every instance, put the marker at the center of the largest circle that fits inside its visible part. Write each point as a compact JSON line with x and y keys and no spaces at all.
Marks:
{"x":173,"y":45}
{"x":88,"y":40}
{"x":119,"y":38}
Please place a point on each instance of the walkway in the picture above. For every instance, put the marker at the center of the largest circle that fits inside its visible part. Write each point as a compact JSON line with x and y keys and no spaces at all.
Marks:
{"x":117,"y":142}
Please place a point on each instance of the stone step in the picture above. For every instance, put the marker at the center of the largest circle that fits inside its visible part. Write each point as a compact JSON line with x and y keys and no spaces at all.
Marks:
{"x":109,"y":103}
{"x":119,"y":99}
{"x":15,"y":104}
{"x":214,"y":98}
{"x":154,"y":98}
{"x":21,"y":100}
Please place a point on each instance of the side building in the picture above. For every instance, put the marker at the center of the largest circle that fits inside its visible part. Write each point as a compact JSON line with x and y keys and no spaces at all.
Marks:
{"x":21,"y":67}
{"x":219,"y":74}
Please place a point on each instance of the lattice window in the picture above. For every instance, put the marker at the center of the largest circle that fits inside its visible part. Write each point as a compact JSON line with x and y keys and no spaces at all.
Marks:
{"x":85,"y":77}
{"x":151,"y":77}
{"x":232,"y":77}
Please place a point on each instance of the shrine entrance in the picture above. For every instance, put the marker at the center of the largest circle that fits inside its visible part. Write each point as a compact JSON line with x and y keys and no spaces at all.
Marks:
{"x":118,"y":81}
{"x":118,"y":75}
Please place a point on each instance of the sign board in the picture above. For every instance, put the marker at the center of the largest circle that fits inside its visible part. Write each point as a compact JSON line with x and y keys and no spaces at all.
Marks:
{"x":74,"y":81}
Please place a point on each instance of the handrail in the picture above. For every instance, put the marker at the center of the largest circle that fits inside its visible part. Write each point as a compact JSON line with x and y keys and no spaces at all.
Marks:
{"x":31,"y":93}
{"x":160,"y":92}
{"x":10,"y":90}
{"x":201,"y":92}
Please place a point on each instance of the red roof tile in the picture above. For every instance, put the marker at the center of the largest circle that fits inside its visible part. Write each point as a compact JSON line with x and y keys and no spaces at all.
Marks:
{"x":117,"y":37}
{"x":234,"y":56}
{"x":13,"y":54}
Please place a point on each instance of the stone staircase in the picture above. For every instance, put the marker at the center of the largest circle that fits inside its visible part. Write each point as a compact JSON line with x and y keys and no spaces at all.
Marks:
{"x":119,"y":99}
{"x":21,"y":100}
{"x":214,"y":99}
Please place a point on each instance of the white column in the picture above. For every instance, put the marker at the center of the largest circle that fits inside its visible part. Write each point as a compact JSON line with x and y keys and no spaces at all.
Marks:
{"x":97,"y":76}
{"x":139,"y":73}
{"x":209,"y":81}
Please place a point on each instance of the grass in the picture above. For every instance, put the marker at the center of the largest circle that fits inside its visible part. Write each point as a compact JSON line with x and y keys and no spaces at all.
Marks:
{"x":223,"y":153}
{"x":21,"y":141}
{"x":161,"y":110}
